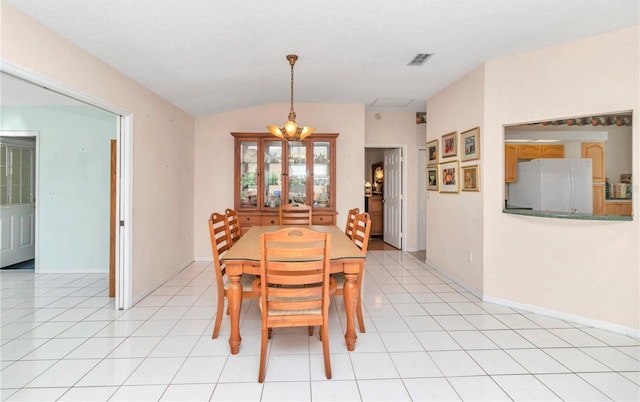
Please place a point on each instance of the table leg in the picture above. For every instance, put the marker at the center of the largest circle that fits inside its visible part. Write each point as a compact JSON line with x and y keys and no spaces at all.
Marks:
{"x":350,"y":294}
{"x":234,"y":296}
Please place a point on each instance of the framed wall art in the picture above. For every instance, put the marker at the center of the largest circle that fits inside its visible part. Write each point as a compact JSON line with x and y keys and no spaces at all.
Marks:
{"x":470,"y":144}
{"x":449,"y":144}
{"x":432,"y":152}
{"x":471,"y":178}
{"x":432,"y":178}
{"x":449,"y":177}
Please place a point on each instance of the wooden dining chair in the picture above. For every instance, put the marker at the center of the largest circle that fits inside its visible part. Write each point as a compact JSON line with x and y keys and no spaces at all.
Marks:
{"x":234,"y":224}
{"x":360,"y":237}
{"x":351,"y":216}
{"x":294,"y":267}
{"x":220,"y":243}
{"x":295,"y":214}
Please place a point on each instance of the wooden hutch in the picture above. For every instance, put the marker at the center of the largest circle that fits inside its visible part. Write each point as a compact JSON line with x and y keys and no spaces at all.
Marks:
{"x":269,"y":172}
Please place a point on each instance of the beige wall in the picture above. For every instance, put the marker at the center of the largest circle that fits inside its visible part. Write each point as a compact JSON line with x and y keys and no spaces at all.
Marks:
{"x":162,"y":144}
{"x":214,"y":156}
{"x":584,"y":268}
{"x":455,"y":222}
{"x":587,"y":270}
{"x":396,"y":129}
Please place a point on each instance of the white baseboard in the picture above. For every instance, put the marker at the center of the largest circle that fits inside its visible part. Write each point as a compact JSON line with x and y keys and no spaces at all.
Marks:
{"x":607,"y":326}
{"x":207,"y":259}
{"x":457,"y":280}
{"x":137,"y":298}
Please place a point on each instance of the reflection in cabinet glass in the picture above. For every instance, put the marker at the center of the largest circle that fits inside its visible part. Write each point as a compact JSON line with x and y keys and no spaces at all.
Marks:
{"x":285,"y":172}
{"x":297,"y":172}
{"x":272,"y":174}
{"x":248,"y":174}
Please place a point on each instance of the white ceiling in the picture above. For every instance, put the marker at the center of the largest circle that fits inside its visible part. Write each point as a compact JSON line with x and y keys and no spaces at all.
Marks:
{"x":210,"y":56}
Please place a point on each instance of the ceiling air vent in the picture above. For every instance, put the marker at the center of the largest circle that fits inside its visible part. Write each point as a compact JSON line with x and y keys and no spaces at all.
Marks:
{"x":420,"y":59}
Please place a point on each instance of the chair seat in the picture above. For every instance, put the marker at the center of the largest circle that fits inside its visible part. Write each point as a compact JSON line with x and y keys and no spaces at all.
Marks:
{"x":247,"y":282}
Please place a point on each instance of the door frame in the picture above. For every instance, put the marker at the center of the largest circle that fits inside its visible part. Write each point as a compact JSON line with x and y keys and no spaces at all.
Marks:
{"x":36,"y":179}
{"x":124,"y":138}
{"x":423,"y":195}
{"x":403,"y":175}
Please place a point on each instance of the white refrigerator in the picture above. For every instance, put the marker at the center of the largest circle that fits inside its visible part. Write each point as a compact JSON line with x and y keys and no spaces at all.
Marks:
{"x":554,"y":185}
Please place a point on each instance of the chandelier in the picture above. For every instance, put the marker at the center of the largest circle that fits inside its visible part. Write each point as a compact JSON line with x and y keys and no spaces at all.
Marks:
{"x":290,"y":130}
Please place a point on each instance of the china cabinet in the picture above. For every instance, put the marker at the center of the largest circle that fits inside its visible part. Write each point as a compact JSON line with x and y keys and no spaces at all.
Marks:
{"x":269,"y":172}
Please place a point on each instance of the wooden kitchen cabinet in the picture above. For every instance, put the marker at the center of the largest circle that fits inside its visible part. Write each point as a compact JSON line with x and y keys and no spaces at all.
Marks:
{"x":373,"y":205}
{"x":617,"y":208}
{"x":510,"y":163}
{"x":529,"y":151}
{"x":515,"y":152}
{"x":552,"y":151}
{"x":269,"y":172}
{"x":598,"y":199}
{"x":595,"y":151}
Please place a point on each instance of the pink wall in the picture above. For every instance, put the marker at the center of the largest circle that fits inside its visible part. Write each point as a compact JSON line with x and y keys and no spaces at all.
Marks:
{"x":395,"y":129}
{"x":162,"y":144}
{"x":583,"y":268}
{"x":455,"y":222}
{"x":587,"y":271}
{"x":214,"y":156}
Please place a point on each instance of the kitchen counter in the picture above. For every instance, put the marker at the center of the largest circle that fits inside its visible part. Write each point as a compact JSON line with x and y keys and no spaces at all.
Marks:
{"x":566,"y":215}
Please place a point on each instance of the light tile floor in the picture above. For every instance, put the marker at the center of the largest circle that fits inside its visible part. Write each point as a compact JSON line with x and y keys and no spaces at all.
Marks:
{"x":427,"y":339}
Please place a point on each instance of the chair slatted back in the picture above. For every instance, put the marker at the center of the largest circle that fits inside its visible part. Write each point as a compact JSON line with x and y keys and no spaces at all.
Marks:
{"x":351,"y":216}
{"x":220,"y":242}
{"x":361,"y":231}
{"x":294,"y":271}
{"x":295,"y":214}
{"x":234,"y":224}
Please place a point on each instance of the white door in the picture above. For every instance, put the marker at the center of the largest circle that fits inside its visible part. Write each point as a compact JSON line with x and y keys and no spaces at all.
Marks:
{"x":17,"y":205}
{"x":393,"y":198}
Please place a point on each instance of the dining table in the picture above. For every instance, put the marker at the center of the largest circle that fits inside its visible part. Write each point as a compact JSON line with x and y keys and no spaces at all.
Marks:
{"x":244,"y":258}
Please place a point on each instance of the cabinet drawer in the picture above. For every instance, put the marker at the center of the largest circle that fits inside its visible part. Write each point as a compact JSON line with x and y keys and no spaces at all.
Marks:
{"x":269,"y":220}
{"x":322,"y":219}
{"x":248,"y":220}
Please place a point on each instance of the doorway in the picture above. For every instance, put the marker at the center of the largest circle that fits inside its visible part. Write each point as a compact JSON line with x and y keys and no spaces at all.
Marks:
{"x":395,"y":184}
{"x":49,"y":91}
{"x":17,"y":199}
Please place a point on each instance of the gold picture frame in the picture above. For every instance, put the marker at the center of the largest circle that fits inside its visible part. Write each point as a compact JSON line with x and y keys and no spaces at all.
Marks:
{"x":470,"y":144}
{"x":449,"y":145}
{"x":470,"y":178}
{"x":432,"y":178}
{"x":449,"y":177}
{"x":432,"y":152}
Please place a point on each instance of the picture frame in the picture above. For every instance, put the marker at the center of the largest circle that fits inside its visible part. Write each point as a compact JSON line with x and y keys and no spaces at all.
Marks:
{"x":432,"y":152}
{"x":432,"y":178}
{"x":449,"y":177}
{"x":470,"y":178}
{"x":470,"y":144}
{"x":449,"y":145}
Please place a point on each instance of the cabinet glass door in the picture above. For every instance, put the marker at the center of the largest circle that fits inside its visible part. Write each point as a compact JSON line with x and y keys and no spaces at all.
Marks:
{"x":321,"y":174}
{"x":297,"y":172}
{"x":248,"y":174}
{"x":272,"y":174}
